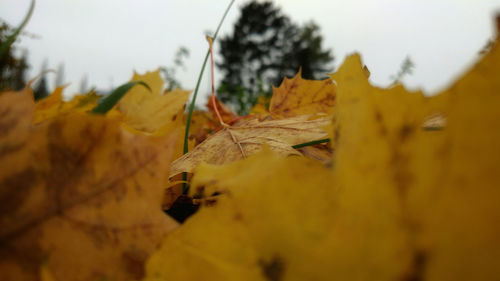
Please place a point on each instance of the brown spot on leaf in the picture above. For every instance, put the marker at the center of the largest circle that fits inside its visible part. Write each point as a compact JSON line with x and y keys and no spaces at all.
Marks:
{"x":25,"y":251}
{"x":200,"y":190}
{"x":336,"y":135}
{"x":238,"y":216}
{"x":210,"y":202}
{"x":378,"y":116}
{"x":380,"y":120}
{"x":8,"y":149}
{"x":15,"y":190}
{"x":417,"y":271}
{"x":7,"y":125}
{"x":133,"y":262}
{"x":405,"y":131}
{"x":274,"y":269}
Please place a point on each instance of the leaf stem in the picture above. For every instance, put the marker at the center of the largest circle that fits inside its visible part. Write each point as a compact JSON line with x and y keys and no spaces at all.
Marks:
{"x":212,"y":97}
{"x":310,"y":143}
{"x":195,"y":94}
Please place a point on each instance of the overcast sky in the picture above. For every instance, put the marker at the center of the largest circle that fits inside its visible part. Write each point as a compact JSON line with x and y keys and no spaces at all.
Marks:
{"x":108,"y":39}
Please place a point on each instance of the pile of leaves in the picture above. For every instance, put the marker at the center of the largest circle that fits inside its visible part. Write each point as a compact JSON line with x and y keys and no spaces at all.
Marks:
{"x":407,"y":188}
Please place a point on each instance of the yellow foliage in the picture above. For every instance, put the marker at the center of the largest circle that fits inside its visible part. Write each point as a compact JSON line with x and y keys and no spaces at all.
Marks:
{"x":269,"y":221}
{"x":298,"y":96}
{"x":83,"y":102}
{"x":54,"y":105}
{"x":444,"y":178}
{"x":78,"y":194}
{"x":412,"y":194}
{"x":202,"y":125}
{"x":261,"y":107}
{"x":49,"y":107}
{"x":147,"y":111}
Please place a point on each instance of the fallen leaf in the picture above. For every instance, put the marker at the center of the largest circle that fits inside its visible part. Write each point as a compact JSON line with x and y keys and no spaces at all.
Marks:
{"x":402,"y":201}
{"x":54,"y":105}
{"x":377,"y":138}
{"x":261,"y":107}
{"x":462,"y":226}
{"x":16,"y":115}
{"x":320,"y":152}
{"x":225,"y":112}
{"x":298,"y":96}
{"x":83,"y":102}
{"x":148,"y":111}
{"x":445,"y":177}
{"x":280,"y":219}
{"x":78,"y":194}
{"x":49,"y":107}
{"x":235,"y":244}
{"x":202,"y":125}
{"x":247,"y":137}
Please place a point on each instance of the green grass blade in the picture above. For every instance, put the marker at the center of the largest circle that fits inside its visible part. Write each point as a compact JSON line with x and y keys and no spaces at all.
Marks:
{"x":310,"y":143}
{"x":195,"y":94}
{"x":4,"y":48}
{"x":108,"y":102}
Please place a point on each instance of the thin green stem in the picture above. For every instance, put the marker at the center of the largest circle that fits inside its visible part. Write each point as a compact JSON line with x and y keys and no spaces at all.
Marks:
{"x":195,"y":94}
{"x":4,"y":48}
{"x":310,"y":143}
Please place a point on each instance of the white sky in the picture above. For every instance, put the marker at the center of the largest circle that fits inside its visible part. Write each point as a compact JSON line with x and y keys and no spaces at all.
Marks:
{"x":108,"y":39}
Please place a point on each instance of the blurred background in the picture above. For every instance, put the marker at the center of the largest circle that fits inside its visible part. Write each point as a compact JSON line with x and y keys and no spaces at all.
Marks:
{"x":99,"y":43}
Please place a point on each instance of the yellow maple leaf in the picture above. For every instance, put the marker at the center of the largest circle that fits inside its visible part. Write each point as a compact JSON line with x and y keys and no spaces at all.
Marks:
{"x":247,"y":137}
{"x":298,"y":96}
{"x":16,"y":110}
{"x":261,"y":107}
{"x":54,"y":105}
{"x":412,"y":194}
{"x":436,"y":156}
{"x":49,"y":107}
{"x":82,"y":102}
{"x":279,"y":219}
{"x":79,"y":195}
{"x":148,"y":111}
{"x":463,"y":218}
{"x":236,"y":240}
